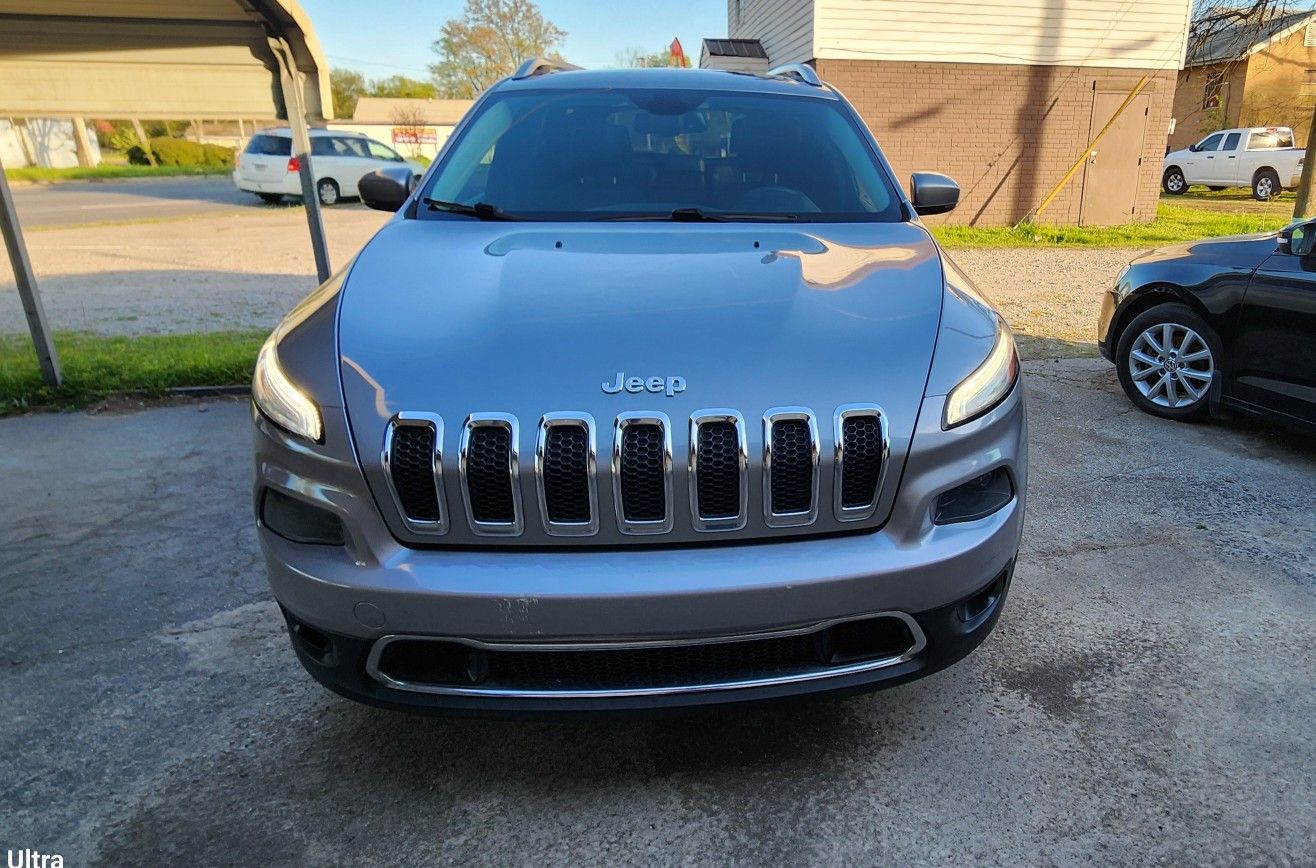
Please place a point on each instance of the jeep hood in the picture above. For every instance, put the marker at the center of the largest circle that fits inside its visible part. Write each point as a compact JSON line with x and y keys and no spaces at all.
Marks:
{"x":455,"y":317}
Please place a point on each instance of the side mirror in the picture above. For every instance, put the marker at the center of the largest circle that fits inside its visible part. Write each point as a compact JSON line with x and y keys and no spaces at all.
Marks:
{"x":932,"y":193}
{"x":1298,"y":239}
{"x":386,"y":189}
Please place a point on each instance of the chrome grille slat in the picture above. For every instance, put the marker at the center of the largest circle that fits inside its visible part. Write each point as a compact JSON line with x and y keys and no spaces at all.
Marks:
{"x":627,"y":522}
{"x":710,"y":485}
{"x":776,"y":470}
{"x":559,"y":509}
{"x":863,"y":450}
{"x":486,"y":511}
{"x":432,"y":519}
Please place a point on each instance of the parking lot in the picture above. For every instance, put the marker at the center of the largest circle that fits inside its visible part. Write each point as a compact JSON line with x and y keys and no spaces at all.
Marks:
{"x":1147,"y":697}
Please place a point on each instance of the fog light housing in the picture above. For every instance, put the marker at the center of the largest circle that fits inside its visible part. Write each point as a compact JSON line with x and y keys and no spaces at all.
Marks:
{"x":975,"y":499}
{"x":299,"y":521}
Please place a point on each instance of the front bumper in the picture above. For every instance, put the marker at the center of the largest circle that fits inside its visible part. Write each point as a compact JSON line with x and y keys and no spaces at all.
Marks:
{"x":355,"y":595}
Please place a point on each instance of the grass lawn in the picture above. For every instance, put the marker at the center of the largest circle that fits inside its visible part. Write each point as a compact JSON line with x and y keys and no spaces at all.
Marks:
{"x":1174,"y":222}
{"x":96,"y":365}
{"x":109,"y":172}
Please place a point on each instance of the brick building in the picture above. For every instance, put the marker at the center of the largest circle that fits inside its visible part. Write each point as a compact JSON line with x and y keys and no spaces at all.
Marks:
{"x":1001,"y":97}
{"x":1249,"y":75}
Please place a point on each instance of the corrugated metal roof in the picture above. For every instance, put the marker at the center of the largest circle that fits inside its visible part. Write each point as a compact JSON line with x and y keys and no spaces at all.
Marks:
{"x":735,"y":48}
{"x":1242,"y":38}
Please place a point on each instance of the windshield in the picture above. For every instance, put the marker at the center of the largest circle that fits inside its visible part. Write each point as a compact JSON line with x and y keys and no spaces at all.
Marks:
{"x":646,"y":153}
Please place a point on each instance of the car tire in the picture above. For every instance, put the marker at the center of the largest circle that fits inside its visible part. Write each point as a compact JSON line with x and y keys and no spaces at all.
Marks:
{"x":1173,"y":182}
{"x":1217,"y":189}
{"x":271,"y":198}
{"x":1174,"y":381}
{"x":1265,"y":185}
{"x":327,"y":191}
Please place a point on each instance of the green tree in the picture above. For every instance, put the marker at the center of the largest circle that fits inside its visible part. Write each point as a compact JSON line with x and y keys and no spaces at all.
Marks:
{"x":401,"y":86}
{"x":488,"y":42}
{"x":347,"y":86}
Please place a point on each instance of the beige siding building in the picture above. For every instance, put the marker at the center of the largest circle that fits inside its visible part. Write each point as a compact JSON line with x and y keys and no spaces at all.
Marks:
{"x":1249,"y":76}
{"x":1002,"y":96}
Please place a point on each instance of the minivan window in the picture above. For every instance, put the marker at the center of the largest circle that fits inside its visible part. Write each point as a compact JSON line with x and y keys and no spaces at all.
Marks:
{"x":382,"y":152}
{"x":645,"y":153}
{"x":269,"y":146}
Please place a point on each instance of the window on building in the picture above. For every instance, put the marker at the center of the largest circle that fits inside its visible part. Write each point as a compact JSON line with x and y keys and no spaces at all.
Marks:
{"x":1308,"y":92}
{"x":1212,"y":97}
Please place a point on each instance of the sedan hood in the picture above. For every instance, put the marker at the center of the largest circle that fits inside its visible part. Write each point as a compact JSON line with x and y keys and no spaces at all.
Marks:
{"x":458,"y":317}
{"x":1234,"y":251}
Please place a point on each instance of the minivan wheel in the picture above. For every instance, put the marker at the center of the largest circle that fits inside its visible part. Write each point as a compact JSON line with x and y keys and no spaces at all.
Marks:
{"x":327,"y":190}
{"x":1166,"y":360}
{"x":1173,"y":182}
{"x":1265,"y":185}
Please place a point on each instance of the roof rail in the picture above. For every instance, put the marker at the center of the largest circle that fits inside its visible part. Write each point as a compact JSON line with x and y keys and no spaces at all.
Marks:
{"x":541,"y":66}
{"x":801,"y":72}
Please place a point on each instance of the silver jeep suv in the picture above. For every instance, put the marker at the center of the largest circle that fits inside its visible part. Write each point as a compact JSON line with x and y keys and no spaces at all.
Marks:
{"x":654,"y":392}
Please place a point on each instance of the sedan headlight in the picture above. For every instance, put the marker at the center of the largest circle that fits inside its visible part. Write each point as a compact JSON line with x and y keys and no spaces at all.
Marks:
{"x":280,"y":399}
{"x":986,"y":386}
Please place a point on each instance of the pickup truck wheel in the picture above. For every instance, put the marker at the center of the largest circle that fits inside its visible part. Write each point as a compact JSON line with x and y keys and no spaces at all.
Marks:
{"x":1173,"y":182}
{"x":1166,"y":360}
{"x":1265,"y":185}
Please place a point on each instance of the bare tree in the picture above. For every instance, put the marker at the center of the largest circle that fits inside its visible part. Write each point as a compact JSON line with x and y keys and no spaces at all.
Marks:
{"x":409,"y":128}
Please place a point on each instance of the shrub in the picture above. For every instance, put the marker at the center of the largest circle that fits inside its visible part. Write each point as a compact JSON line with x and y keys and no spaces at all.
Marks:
{"x":181,"y":152}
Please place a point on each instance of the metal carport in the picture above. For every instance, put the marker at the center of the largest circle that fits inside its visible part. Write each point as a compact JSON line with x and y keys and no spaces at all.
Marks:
{"x":157,"y":59}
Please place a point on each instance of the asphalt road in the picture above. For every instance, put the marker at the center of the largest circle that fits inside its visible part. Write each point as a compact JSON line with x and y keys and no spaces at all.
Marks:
{"x":1147,"y":698}
{"x":75,"y":202}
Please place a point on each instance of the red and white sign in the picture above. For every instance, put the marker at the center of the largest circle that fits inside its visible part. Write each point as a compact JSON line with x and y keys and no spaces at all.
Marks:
{"x":415,"y":136}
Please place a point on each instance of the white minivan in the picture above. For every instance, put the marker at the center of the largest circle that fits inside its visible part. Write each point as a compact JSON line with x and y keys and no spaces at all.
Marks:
{"x":267,"y":167}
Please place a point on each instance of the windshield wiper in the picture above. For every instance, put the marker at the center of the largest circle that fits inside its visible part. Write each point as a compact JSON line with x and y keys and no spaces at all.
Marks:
{"x":482,"y":210}
{"x":695,"y":215}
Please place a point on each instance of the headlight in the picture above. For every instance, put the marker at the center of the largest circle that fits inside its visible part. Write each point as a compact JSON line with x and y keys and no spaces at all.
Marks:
{"x":280,"y":399}
{"x":985,"y":387}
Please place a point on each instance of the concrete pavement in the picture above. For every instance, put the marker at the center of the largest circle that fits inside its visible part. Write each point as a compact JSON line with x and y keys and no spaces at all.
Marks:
{"x":1147,"y":698}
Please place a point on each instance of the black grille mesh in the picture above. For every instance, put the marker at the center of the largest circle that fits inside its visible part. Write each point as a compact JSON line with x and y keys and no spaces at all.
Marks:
{"x":862,"y":450}
{"x":718,"y":457}
{"x":489,"y":474}
{"x":643,"y":496}
{"x":792,"y":466}
{"x":411,"y":464}
{"x":566,"y":473}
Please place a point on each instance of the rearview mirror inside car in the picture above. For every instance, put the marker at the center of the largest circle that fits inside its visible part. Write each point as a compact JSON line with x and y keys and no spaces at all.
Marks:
{"x":386,"y":189}
{"x":933,"y":193}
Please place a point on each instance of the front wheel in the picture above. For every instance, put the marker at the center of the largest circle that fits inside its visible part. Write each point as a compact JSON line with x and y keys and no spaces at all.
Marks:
{"x":1173,"y":182}
{"x":1265,"y":185}
{"x":1166,"y":360}
{"x":327,"y":191}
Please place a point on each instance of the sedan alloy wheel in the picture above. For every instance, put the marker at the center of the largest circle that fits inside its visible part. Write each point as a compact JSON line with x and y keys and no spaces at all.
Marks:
{"x":1171,"y":365}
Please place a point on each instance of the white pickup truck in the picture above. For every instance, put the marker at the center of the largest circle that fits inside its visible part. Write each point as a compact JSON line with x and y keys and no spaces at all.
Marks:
{"x":1262,"y":158}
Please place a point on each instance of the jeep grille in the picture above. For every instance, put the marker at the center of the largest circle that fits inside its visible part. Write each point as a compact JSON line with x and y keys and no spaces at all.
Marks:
{"x":640,"y":475}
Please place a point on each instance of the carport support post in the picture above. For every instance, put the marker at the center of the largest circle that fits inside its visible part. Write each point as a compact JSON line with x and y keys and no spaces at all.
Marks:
{"x":290,"y":81}
{"x":47,"y":356}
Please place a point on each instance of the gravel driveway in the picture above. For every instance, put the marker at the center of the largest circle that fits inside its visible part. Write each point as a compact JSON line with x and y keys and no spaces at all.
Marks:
{"x":1147,"y":698}
{"x":244,"y":270}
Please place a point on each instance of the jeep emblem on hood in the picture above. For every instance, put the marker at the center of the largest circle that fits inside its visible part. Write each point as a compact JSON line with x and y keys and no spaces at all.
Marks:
{"x":671,"y":385}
